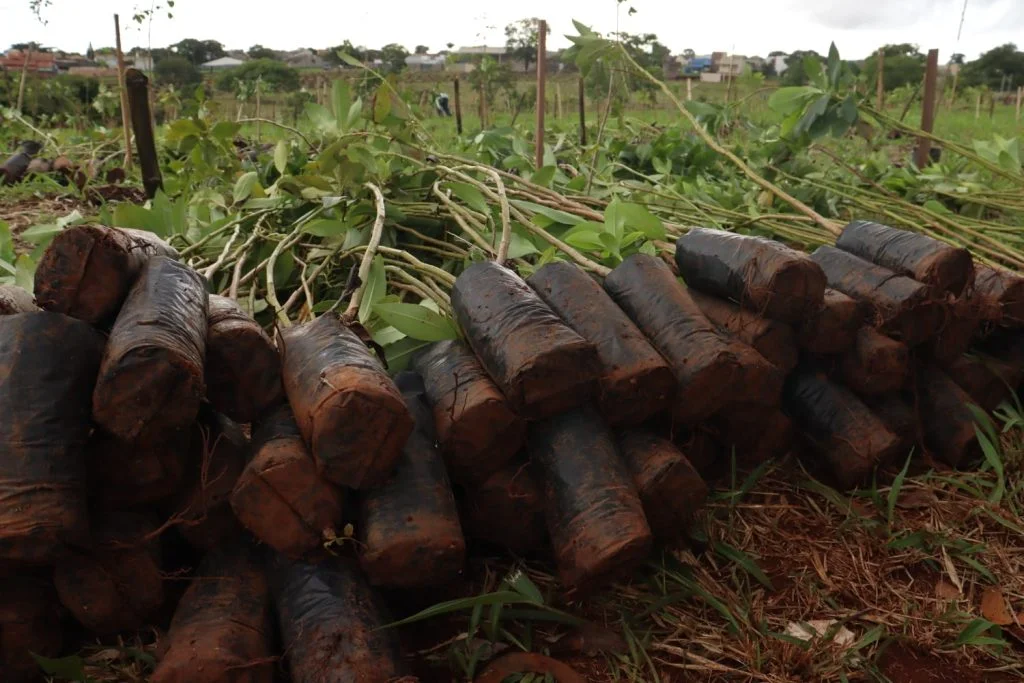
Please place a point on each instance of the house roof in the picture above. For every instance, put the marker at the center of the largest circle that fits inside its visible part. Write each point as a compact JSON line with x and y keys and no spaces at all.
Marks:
{"x":37,"y":61}
{"x":481,"y":50}
{"x":424,"y":60}
{"x":223,"y":61}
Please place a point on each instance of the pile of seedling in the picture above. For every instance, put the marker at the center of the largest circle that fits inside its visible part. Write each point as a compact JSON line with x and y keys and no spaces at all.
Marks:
{"x":575,"y":422}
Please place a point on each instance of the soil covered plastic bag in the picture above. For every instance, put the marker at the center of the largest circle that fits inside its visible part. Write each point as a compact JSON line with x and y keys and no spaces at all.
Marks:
{"x":280,"y":497}
{"x":541,"y":365}
{"x":636,"y":382}
{"x":758,"y":273}
{"x":88,"y":270}
{"x":243,"y":367}
{"x":409,"y":531}
{"x":48,"y":365}
{"x":349,"y":411}
{"x":476,"y":428}
{"x":151,"y":379}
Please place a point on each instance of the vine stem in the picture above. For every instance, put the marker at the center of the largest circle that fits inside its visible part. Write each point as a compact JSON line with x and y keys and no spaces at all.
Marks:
{"x":371,"y":250}
{"x":831,"y":226}
{"x":294,"y":131}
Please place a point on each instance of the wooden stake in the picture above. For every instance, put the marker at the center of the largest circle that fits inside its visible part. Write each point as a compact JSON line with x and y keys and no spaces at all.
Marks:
{"x":689,"y":89}
{"x":952,"y":93}
{"x":138,"y":103}
{"x":542,"y":74}
{"x":24,"y":76}
{"x":259,"y":114}
{"x":583,"y":112}
{"x":924,"y":145}
{"x":558,"y":101}
{"x":1020,"y":91}
{"x":880,"y":95}
{"x":991,"y":105}
{"x":458,"y":108}
{"x":977,"y":107}
{"x":125,"y":118}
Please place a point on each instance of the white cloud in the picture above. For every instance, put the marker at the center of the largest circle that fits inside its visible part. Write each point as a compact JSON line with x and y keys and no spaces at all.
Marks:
{"x":746,"y":26}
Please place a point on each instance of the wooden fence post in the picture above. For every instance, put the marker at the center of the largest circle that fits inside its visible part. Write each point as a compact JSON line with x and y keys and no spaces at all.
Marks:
{"x":689,"y":89}
{"x":880,"y":86}
{"x":558,"y":101}
{"x":145,"y":142}
{"x":1020,"y":91}
{"x":458,"y":107}
{"x":924,"y":145}
{"x":542,"y":73}
{"x":977,"y":107}
{"x":24,"y":76}
{"x":583,"y":112}
{"x":125,"y":119}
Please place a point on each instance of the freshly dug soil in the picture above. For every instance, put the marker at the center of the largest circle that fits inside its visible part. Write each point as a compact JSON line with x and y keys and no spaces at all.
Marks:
{"x":946,"y":421}
{"x":636,"y":382}
{"x":507,"y":510}
{"x":280,"y":497}
{"x":48,"y":365}
{"x":14,"y":299}
{"x":1003,"y":291}
{"x":945,"y":268}
{"x":875,"y":365}
{"x":151,"y":379}
{"x":348,"y":409}
{"x":899,"y":306}
{"x":243,"y":368}
{"x":670,"y":489}
{"x":124,"y":474}
{"x":708,"y":367}
{"x":88,"y":270}
{"x":330,"y":622}
{"x":594,"y":514}
{"x":774,"y":340}
{"x":851,"y":440}
{"x":760,"y":274}
{"x":409,"y":532}
{"x":30,"y":621}
{"x":222,"y":631}
{"x":476,"y":429}
{"x":541,"y":365}
{"x":832,"y":327}
{"x":114,"y":584}
{"x":218,"y":452}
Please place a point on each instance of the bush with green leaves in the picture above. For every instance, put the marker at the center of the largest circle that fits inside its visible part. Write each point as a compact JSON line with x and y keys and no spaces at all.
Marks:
{"x":177,"y":71}
{"x":276,"y":75}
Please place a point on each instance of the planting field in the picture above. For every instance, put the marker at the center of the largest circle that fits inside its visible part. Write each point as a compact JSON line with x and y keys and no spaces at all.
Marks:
{"x":717,"y":391}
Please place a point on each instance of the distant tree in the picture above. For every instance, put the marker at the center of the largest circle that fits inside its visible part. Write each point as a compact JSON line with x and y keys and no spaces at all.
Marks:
{"x":274,"y":74}
{"x":90,"y":54}
{"x":688,"y":53}
{"x":796,"y":72}
{"x":777,"y":53}
{"x":393,"y":55}
{"x":992,"y":67}
{"x":957,"y":58}
{"x":199,"y":51}
{"x":331,"y":57}
{"x":259,"y":52}
{"x":31,"y":45}
{"x":521,"y":40}
{"x":451,"y":45}
{"x":422,"y":49}
{"x":177,"y":71}
{"x":904,"y":64}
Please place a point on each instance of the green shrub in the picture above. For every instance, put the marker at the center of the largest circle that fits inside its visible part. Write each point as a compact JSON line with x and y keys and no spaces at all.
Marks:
{"x":277,"y":75}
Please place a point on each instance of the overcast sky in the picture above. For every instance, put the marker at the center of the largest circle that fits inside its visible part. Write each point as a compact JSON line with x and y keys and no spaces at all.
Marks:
{"x":744,"y":26}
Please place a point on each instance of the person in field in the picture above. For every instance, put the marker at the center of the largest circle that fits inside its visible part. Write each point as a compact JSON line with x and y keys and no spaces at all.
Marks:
{"x":441,"y":104}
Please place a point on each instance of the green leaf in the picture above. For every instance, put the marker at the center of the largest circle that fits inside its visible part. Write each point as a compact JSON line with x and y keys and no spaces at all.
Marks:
{"x":544,"y":176}
{"x":243,"y":187}
{"x":341,"y":102}
{"x":471,"y":196}
{"x":24,"y":272}
{"x":349,"y":59}
{"x":418,"y":322}
{"x":614,"y":220}
{"x":521,"y":583}
{"x":894,"y":492}
{"x":225,"y":130}
{"x":560,"y":217}
{"x":140,"y":218}
{"x":462,"y":605}
{"x":324,"y":227}
{"x":373,"y":289}
{"x":281,"y":156}
{"x":970,"y":633}
{"x":354,"y":112}
{"x":38,"y":234}
{"x":790,"y":100}
{"x":387,"y":336}
{"x":745,"y":561}
{"x":835,"y":66}
{"x":67,"y":668}
{"x":400,"y":354}
{"x":639,"y":218}
{"x":381,"y":104}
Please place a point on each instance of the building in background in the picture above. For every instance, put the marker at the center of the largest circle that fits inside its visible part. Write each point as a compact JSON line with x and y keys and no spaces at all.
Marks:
{"x":222,"y":63}
{"x":38,"y":62}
